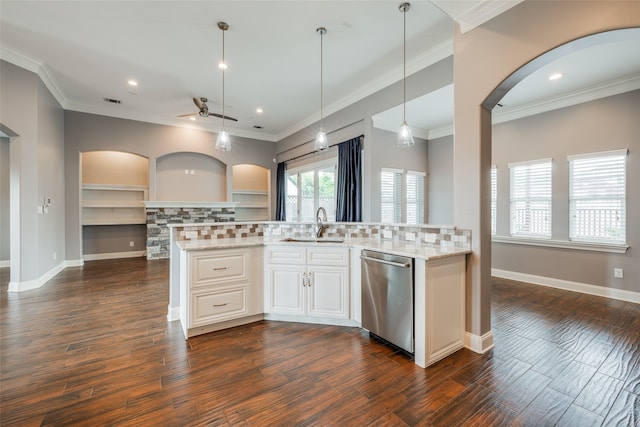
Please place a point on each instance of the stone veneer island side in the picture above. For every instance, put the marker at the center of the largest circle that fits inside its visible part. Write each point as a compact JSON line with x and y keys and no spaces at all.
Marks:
{"x":159,"y":214}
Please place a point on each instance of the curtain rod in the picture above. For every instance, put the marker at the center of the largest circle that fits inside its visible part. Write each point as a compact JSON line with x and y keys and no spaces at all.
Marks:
{"x":316,"y":151}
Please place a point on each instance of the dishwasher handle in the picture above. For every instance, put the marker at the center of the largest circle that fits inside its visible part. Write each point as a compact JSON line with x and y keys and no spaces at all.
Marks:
{"x":384,"y":261}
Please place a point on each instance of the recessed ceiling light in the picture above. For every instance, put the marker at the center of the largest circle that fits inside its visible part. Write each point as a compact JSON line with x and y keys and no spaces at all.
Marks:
{"x":133,"y":83}
{"x":259,"y":110}
{"x":555,"y":76}
{"x":192,"y":119}
{"x":222,"y":66}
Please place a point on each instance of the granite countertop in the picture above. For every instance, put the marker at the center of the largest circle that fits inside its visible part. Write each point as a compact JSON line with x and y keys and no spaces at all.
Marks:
{"x":403,"y":248}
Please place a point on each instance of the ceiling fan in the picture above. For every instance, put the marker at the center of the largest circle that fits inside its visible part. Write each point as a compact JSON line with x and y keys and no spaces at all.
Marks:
{"x":201,"y":103}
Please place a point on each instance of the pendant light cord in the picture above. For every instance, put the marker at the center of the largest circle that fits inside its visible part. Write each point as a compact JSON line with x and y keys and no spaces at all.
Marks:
{"x":404,"y":67}
{"x":322,"y":31}
{"x":224,"y":65}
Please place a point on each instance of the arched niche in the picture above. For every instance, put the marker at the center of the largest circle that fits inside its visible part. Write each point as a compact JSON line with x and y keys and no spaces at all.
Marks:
{"x":187,"y":176}
{"x":251,"y":189}
{"x":114,"y":168}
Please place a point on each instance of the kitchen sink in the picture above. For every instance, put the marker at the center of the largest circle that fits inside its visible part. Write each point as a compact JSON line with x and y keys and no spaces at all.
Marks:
{"x":314,"y":239}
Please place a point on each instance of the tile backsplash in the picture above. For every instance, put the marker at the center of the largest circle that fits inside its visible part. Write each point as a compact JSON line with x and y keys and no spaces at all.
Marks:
{"x":446,"y":237}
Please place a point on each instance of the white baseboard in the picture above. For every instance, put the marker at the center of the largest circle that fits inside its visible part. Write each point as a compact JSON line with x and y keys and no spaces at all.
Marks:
{"x":36,"y":283}
{"x":173,"y":313}
{"x":74,"y":263}
{"x":114,"y":255}
{"x":5,"y":263}
{"x":601,"y":291}
{"x":478,"y":343}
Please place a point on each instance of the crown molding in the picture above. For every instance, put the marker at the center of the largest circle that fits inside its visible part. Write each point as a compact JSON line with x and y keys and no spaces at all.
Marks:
{"x":38,"y":68}
{"x":418,"y":63}
{"x":473,"y":13}
{"x":615,"y":87}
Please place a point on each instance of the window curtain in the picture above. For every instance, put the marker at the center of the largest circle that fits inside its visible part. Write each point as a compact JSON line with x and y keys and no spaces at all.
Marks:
{"x":281,"y":192}
{"x":349,"y":191}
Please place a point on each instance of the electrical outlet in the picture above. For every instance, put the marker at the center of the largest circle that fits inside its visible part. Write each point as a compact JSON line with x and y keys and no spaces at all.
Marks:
{"x":131,"y":243}
{"x":55,"y":255}
{"x":618,"y":273}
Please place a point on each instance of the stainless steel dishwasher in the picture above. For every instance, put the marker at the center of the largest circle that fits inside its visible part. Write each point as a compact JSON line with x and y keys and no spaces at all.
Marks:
{"x":387,"y":297}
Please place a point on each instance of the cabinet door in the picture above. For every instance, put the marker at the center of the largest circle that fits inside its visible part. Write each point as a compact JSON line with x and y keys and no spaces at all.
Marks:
{"x":285,"y":289}
{"x":327,"y":291}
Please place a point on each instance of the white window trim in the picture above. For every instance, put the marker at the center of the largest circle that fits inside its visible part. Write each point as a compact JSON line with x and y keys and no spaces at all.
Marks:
{"x":563,"y":244}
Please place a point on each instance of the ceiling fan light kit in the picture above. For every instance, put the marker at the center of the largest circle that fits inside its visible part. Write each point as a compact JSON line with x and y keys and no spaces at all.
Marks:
{"x":223,"y":142}
{"x":405,"y":137}
{"x":321,"y":142}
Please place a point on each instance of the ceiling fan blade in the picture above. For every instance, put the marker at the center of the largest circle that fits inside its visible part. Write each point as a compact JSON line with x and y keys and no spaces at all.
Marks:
{"x":188,"y":115}
{"x":233,"y":119}
{"x":198,"y":103}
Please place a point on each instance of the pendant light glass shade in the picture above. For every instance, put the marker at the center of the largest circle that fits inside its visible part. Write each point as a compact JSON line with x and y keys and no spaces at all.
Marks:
{"x":405,"y":137}
{"x":321,"y":143}
{"x":223,"y":142}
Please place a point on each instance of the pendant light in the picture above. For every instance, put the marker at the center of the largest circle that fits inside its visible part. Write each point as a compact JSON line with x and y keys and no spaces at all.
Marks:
{"x":405,"y":138}
{"x":223,"y":142}
{"x":321,"y":138}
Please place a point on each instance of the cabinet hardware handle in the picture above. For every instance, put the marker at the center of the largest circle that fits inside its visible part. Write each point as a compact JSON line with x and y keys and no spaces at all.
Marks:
{"x":221,"y":305}
{"x":304,"y":279}
{"x":309,"y":279}
{"x":220,"y":268}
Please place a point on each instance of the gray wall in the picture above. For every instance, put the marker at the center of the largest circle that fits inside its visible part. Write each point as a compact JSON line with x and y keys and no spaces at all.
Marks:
{"x":379,"y":146}
{"x":106,"y":239}
{"x":605,"y":124}
{"x":89,"y":132}
{"x":440,"y":181}
{"x":4,"y":200}
{"x":33,"y":119}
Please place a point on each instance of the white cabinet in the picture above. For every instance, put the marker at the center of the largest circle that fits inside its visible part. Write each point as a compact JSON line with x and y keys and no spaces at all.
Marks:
{"x":253,"y":205}
{"x":439,"y":308}
{"x":309,"y":282}
{"x":219,"y":289}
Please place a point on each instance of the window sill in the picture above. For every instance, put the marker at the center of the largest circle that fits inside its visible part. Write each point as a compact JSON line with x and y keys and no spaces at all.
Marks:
{"x":563,"y":244}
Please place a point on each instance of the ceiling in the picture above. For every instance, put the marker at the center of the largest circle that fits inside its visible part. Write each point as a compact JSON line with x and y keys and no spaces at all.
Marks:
{"x":87,"y":50}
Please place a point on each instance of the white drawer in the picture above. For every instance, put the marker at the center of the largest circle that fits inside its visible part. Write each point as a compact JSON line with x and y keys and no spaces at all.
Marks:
{"x":327,"y":256}
{"x":219,"y":268}
{"x":209,"y":307}
{"x":286,"y":255}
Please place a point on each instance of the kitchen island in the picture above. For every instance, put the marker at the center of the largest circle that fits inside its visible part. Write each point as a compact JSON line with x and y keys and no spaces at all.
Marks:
{"x":225,"y":275}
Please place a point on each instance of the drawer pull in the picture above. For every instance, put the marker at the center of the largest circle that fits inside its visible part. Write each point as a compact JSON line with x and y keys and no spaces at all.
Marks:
{"x":221,"y":305}
{"x":220,"y":268}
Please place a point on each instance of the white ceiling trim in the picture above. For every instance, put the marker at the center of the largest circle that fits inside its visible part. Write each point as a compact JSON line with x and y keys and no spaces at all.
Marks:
{"x":36,"y":67}
{"x":473,"y":13}
{"x":592,"y":93}
{"x":420,"y":62}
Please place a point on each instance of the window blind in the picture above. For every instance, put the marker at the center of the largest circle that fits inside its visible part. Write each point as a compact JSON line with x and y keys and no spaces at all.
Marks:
{"x":530,"y":200}
{"x":494,"y":197}
{"x":415,"y":197}
{"x":391,"y":195}
{"x":597,"y":197}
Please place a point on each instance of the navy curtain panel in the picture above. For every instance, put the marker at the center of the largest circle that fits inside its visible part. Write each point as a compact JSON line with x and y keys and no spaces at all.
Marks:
{"x":349,"y":197}
{"x":281,"y":192}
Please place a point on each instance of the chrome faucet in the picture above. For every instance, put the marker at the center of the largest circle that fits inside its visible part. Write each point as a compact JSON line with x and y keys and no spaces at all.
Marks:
{"x":320,"y":221}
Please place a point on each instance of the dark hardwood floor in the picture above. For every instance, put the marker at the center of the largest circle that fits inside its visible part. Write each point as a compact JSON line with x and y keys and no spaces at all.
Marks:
{"x":93,"y":347}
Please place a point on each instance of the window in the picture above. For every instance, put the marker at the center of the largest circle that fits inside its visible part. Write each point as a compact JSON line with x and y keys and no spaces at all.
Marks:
{"x":308,"y":188}
{"x":402,"y":196}
{"x":597,"y":197}
{"x":494,"y":197}
{"x":531,"y":199}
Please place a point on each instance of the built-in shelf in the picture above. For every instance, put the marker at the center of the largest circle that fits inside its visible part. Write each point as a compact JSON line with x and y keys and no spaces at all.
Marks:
{"x":252,"y":205}
{"x":104,"y":204}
